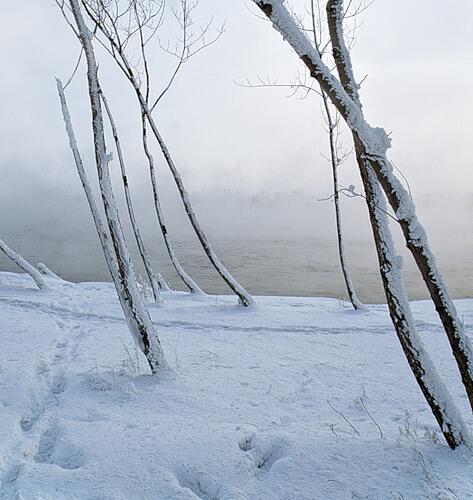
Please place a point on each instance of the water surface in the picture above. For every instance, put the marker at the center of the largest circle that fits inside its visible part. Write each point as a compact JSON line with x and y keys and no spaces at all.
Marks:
{"x":279,"y":267}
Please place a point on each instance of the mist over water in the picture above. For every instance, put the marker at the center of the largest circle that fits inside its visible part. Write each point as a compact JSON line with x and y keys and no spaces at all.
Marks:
{"x":283,"y":245}
{"x":270,"y":229}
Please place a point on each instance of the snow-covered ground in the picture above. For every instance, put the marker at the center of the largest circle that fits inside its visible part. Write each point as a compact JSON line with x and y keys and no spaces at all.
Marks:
{"x":293,"y":399}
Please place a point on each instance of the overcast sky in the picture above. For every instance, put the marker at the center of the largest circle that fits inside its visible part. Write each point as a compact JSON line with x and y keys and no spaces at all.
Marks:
{"x":417,"y":57}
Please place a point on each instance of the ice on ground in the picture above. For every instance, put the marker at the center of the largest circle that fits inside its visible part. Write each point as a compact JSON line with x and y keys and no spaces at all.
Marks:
{"x":297,"y":398}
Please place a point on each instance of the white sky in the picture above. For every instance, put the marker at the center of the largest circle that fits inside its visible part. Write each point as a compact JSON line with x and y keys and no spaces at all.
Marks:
{"x":418,"y":56}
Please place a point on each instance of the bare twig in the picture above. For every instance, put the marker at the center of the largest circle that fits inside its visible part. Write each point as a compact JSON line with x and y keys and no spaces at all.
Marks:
{"x":344,"y":417}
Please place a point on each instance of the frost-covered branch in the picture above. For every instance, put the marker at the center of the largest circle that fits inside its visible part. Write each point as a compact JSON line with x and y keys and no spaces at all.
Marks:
{"x":302,"y":89}
{"x":44,"y":269}
{"x":24,"y":264}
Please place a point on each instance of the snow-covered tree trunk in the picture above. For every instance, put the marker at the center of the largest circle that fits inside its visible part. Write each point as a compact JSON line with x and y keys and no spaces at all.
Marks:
{"x":403,"y":206}
{"x":188,"y":281}
{"x":107,"y":22}
{"x":244,"y":297}
{"x":138,"y":319}
{"x":136,"y":313}
{"x":44,"y":269}
{"x":24,"y":264}
{"x":162,"y":283}
{"x":155,"y":285}
{"x":429,"y":381}
{"x":419,"y":361}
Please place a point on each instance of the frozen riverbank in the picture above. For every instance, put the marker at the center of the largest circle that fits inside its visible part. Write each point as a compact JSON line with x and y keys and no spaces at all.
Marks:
{"x":298,"y":398}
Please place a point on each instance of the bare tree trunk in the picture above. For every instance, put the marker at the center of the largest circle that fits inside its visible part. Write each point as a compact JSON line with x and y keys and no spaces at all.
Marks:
{"x":24,"y":264}
{"x":155,"y":286}
{"x":188,"y":281}
{"x":338,"y":217}
{"x":244,"y":297}
{"x":138,"y":320}
{"x":429,"y":382}
{"x":98,"y":13}
{"x":163,"y":283}
{"x":43,"y":269}
{"x":335,"y":163}
{"x":403,"y":206}
{"x":136,"y":313}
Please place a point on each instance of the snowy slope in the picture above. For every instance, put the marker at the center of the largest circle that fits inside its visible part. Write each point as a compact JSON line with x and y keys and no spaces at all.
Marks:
{"x":293,"y":399}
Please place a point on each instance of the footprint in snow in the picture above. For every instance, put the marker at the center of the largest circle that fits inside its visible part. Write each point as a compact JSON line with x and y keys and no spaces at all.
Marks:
{"x":264,"y":452}
{"x":58,"y":357}
{"x":8,"y":482}
{"x":204,"y":486}
{"x":54,"y":449}
{"x":246,"y":442}
{"x":28,"y":421}
{"x":58,"y":385}
{"x":42,"y":368}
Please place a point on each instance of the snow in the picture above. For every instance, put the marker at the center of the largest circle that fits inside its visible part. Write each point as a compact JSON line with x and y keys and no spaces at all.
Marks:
{"x":298,"y":398}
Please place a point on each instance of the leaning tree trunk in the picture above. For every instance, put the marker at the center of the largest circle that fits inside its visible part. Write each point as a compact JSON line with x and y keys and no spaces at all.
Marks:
{"x":188,"y":281}
{"x":155,"y":286}
{"x":162,"y":283}
{"x":23,"y":264}
{"x":429,"y":382}
{"x":136,"y":313}
{"x":44,"y":269}
{"x":117,"y":52}
{"x":245,"y":298}
{"x":403,"y":206}
{"x":143,"y":321}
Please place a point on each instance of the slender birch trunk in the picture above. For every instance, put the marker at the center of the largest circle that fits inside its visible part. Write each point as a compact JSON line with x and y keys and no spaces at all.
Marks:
{"x":355,"y":302}
{"x":357,"y":305}
{"x":24,"y":264}
{"x":343,"y":97}
{"x":136,"y":313}
{"x":188,"y":281}
{"x":155,"y":285}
